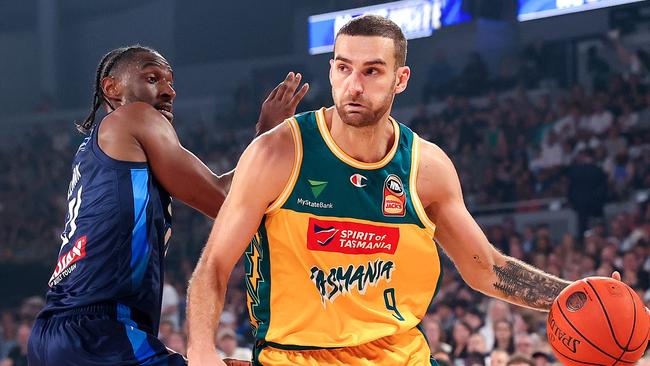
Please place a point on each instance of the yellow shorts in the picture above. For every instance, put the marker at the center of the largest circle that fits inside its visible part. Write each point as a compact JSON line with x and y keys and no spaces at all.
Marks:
{"x":410,"y":349}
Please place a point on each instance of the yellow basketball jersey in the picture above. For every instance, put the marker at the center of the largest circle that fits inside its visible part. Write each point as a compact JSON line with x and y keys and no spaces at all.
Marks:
{"x":345,"y":255}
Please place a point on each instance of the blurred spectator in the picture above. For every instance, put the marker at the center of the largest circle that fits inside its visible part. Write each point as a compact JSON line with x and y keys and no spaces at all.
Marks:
{"x":227,"y":345}
{"x":541,"y":359}
{"x":474,"y":76}
{"x":18,"y":354}
{"x":439,"y":76}
{"x":476,"y":344}
{"x":520,"y":360}
{"x":434,"y":334}
{"x":165,"y":330}
{"x":597,"y":68}
{"x":170,"y":304}
{"x":460,"y":339}
{"x":8,"y":334}
{"x":177,"y":342}
{"x":504,"y":338}
{"x":524,"y":344}
{"x":497,"y":311}
{"x":587,"y":189}
{"x":498,"y":358}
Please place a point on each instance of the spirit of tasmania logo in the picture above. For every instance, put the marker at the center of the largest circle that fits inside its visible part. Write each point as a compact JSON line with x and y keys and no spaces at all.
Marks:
{"x":351,"y":237}
{"x":67,"y":262}
{"x":340,"y":280}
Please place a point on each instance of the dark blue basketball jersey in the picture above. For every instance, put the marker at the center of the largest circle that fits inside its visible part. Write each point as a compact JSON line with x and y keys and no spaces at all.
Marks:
{"x":114,"y":240}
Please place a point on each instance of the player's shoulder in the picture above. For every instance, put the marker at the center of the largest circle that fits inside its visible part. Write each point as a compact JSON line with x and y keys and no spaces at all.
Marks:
{"x":436,"y":175}
{"x":277,"y":143}
{"x":136,"y":110}
{"x":278,"y":137}
{"x":134,"y":117}
{"x":432,"y":157}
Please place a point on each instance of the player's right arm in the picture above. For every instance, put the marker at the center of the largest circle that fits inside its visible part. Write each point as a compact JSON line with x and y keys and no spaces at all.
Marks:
{"x":139,"y":133}
{"x":261,"y":175}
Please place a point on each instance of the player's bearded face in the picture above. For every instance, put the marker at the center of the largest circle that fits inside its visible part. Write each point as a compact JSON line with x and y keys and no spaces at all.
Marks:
{"x":363,"y":77}
{"x":362,"y":110}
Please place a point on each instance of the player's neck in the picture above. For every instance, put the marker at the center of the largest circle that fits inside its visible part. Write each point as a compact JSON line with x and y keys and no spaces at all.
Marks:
{"x":368,"y":144}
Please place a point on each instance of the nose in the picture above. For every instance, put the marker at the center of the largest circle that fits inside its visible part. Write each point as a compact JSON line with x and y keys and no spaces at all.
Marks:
{"x":167,"y":91}
{"x":355,"y":84}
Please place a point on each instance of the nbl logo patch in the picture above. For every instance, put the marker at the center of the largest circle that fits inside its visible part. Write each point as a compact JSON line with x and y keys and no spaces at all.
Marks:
{"x":351,"y":237}
{"x":394,"y":203}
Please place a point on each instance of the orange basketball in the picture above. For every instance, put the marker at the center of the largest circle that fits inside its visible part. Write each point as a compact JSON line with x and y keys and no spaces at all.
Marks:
{"x":598,"y":321}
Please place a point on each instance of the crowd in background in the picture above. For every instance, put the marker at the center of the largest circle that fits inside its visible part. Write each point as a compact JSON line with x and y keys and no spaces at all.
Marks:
{"x":510,"y":142}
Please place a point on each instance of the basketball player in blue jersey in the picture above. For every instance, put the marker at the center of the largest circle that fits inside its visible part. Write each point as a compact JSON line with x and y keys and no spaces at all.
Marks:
{"x":103,"y":305}
{"x":322,"y":316}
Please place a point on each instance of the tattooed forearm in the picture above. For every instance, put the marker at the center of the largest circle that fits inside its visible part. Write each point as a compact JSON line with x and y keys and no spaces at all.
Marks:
{"x":527,"y":285}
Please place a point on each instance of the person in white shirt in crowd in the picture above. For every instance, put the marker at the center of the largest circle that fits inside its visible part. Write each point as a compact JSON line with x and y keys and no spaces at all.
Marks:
{"x":566,"y":126}
{"x":601,"y":119}
{"x":496,"y":311}
{"x":551,"y":154}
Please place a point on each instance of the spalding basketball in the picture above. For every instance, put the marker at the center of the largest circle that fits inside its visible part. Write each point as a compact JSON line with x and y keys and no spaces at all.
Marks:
{"x":598,"y":321}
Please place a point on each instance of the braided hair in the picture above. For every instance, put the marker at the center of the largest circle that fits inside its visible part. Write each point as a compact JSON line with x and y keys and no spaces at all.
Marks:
{"x":110,"y":60}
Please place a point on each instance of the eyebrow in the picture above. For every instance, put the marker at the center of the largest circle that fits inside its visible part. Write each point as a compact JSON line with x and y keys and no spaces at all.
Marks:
{"x":157,"y":64}
{"x":377,"y":61}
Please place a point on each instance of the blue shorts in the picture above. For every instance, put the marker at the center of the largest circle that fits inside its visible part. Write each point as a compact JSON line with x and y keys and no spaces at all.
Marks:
{"x":92,"y":336}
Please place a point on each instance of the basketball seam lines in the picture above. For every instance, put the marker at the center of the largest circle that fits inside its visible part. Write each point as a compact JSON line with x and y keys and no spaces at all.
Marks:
{"x":581,"y":335}
{"x":611,"y":329}
{"x":572,"y":359}
{"x":627,"y":348}
{"x":609,"y":323}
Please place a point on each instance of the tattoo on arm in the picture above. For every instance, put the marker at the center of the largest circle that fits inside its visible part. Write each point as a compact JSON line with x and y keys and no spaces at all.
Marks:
{"x":527,"y":285}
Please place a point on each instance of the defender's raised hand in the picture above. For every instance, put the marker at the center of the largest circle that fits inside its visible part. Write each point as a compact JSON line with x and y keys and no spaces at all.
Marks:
{"x":281,"y":102}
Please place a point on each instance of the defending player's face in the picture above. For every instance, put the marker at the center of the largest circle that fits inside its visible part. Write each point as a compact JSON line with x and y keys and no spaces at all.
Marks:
{"x":150,"y":79}
{"x":365,"y":78}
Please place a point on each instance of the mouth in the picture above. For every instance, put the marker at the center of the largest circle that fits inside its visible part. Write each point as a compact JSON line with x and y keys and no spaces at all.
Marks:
{"x":354,"y":106}
{"x":166,"y":110}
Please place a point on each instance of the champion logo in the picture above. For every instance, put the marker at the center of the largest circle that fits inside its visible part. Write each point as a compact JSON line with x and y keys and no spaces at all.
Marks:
{"x":358,"y":180}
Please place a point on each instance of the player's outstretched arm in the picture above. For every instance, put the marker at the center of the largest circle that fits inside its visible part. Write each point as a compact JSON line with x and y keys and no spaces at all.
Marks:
{"x":262,"y":173}
{"x":481,"y":265}
{"x":280,"y":104}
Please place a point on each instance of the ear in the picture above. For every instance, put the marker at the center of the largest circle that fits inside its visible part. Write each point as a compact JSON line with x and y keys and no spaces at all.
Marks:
{"x":402,"y":80}
{"x":112,"y":88}
{"x":331,"y":70}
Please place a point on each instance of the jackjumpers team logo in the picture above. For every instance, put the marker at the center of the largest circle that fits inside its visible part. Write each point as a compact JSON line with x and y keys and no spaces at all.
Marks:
{"x":351,"y":237}
{"x":394,"y":198}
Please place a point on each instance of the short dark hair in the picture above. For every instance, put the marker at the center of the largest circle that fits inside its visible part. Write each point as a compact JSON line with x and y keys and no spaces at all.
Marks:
{"x":112,"y":60}
{"x":374,"y":25}
{"x":519,"y":359}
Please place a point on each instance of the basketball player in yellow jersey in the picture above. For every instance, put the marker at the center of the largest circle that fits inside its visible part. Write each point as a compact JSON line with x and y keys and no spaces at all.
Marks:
{"x":342,"y":205}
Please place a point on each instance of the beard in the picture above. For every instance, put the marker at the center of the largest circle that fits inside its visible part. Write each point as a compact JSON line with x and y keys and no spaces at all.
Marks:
{"x":368,"y":115}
